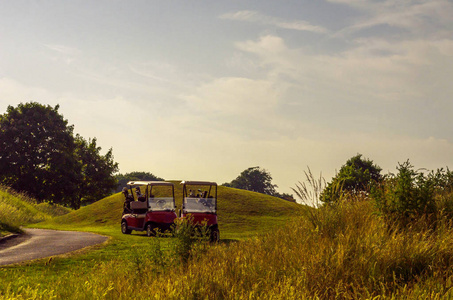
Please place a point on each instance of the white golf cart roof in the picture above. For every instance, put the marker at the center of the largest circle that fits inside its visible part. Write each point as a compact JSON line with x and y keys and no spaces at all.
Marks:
{"x":149,"y":183}
{"x":198,"y":183}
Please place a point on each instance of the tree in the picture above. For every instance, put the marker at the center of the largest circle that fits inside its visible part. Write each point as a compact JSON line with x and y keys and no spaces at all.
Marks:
{"x":40,"y":156}
{"x":36,"y":147}
{"x":254,"y":179}
{"x":354,"y":177}
{"x":97,"y":181}
{"x":134,"y":176}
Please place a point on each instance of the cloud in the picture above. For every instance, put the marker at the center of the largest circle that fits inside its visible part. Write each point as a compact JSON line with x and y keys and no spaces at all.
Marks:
{"x":63,"y":49}
{"x":232,"y":95}
{"x":62,"y":53}
{"x":428,"y":18}
{"x":375,"y":69}
{"x":256,"y":17}
{"x":376,"y":86}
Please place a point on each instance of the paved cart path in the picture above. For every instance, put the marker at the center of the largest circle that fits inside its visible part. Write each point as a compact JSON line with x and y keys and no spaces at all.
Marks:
{"x":40,"y":243}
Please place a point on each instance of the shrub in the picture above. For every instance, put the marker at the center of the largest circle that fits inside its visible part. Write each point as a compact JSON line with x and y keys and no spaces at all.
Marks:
{"x":410,"y":194}
{"x":189,"y":239}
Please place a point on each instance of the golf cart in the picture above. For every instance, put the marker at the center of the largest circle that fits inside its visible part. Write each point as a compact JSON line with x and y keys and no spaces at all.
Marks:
{"x":151,"y":209}
{"x":200,"y":201}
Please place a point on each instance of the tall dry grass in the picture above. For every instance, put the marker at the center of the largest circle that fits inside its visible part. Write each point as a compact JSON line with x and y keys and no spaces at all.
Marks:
{"x":17,"y":209}
{"x":348,"y":253}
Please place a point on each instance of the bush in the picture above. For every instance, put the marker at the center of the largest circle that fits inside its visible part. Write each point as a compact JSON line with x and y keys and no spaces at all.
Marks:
{"x":411,"y":194}
{"x":189,"y":239}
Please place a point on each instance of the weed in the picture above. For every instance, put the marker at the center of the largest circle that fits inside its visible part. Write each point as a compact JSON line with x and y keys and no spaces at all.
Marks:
{"x":189,"y":239}
{"x":309,"y":192}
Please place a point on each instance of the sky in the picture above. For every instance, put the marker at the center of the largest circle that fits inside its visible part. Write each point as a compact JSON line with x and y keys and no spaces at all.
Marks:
{"x":202,"y":90}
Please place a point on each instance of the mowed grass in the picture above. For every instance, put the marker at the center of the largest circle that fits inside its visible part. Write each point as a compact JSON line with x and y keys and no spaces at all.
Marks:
{"x":241,"y":213}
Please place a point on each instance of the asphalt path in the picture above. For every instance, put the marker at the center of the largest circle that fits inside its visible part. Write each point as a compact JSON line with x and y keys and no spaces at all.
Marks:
{"x":41,"y":243}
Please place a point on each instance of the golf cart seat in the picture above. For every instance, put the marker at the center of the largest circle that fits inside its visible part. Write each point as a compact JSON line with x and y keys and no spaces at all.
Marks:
{"x":139,"y":207}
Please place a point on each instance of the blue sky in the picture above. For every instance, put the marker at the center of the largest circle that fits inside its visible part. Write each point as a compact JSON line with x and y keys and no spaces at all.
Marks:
{"x":201,"y":90}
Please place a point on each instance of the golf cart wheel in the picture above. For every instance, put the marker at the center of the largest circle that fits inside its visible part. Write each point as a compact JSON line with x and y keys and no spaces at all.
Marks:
{"x":215,"y":235}
{"x":150,"y":229}
{"x":124,"y":228}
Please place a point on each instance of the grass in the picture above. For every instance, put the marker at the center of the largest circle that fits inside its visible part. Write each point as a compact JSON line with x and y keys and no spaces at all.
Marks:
{"x":347,"y":251}
{"x":350,"y":254}
{"x":241,"y":214}
{"x":17,"y":209}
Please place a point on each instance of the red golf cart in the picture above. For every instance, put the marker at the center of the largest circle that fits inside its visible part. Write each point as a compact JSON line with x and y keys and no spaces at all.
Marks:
{"x":200,"y":201}
{"x":150,"y":206}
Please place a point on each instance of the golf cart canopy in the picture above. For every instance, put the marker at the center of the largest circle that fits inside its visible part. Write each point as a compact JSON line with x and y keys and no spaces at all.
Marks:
{"x":149,"y":183}
{"x":198,"y":183}
{"x":202,"y":202}
{"x":154,"y":196}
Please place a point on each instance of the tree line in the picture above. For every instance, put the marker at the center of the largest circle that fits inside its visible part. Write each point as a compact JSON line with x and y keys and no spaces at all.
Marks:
{"x":41,"y":156}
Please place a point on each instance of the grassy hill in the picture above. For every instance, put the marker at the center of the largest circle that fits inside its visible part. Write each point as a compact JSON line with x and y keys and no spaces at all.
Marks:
{"x":17,"y":210}
{"x":241,"y":213}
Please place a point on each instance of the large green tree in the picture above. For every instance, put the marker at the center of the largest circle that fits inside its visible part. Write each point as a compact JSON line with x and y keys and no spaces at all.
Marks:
{"x":36,"y":153}
{"x":254,"y":179}
{"x":39,"y":155}
{"x":356,"y":176}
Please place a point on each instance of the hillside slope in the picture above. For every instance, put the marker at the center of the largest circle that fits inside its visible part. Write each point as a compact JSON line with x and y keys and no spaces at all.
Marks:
{"x":239,"y":211}
{"x":18,"y":210}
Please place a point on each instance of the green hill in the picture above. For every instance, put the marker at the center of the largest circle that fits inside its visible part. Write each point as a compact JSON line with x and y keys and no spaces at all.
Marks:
{"x":240,"y":212}
{"x":18,"y":210}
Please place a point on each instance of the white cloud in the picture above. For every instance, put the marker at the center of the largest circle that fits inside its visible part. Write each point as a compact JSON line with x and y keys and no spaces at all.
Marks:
{"x":235,"y":96}
{"x":62,"y":53}
{"x":430,"y":18}
{"x":375,"y":69}
{"x":256,"y":17}
{"x":63,"y":49}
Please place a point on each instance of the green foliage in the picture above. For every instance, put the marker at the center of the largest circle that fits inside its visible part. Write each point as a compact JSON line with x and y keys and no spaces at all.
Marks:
{"x":134,"y":176}
{"x":412,"y":194}
{"x":187,"y":237}
{"x":97,"y":181}
{"x":254,"y":179}
{"x":36,"y":153}
{"x":356,"y":176}
{"x":40,"y":156}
